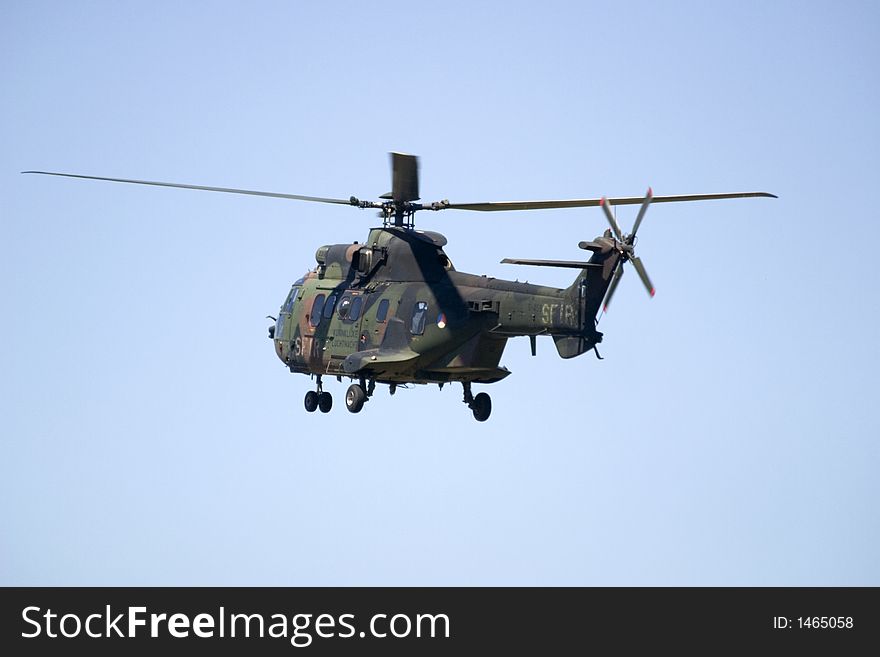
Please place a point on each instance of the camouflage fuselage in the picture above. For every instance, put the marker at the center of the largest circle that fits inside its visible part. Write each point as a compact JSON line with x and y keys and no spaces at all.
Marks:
{"x":394,"y":310}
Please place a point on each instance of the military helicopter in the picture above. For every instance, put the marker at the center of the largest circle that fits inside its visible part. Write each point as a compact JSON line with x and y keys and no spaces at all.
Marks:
{"x":394,"y":311}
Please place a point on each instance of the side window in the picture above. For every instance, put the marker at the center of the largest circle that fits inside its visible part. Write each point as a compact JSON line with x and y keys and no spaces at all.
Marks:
{"x":344,"y":307}
{"x":329,"y":306}
{"x":355,"y":311}
{"x":317,"y":307}
{"x":420,"y":312}
{"x":382,"y":311}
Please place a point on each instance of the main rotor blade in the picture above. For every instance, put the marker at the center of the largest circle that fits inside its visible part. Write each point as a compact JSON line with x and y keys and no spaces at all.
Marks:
{"x":618,"y":274}
{"x":227,"y":190}
{"x":404,"y":177}
{"x":611,"y":220}
{"x":640,"y":268}
{"x":500,"y":206}
{"x":648,"y":196}
{"x":571,"y":264}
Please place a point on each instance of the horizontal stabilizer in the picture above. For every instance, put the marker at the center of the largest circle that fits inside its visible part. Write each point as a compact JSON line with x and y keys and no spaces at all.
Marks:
{"x":571,"y":264}
{"x":595,"y":247}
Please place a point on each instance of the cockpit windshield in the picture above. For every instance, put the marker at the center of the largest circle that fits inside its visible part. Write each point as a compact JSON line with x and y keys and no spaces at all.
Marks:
{"x":291,"y":299}
{"x":285,"y":311}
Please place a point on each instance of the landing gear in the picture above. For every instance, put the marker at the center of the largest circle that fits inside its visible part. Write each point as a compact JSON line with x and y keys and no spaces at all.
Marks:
{"x":481,"y":405}
{"x":358,"y":394}
{"x":355,"y":397}
{"x":318,"y":399}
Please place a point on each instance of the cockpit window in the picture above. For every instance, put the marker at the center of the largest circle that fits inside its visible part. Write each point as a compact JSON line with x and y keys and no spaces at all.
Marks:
{"x":444,"y":260}
{"x":355,"y":311}
{"x":420,"y":312}
{"x":285,"y":312}
{"x":317,"y":307}
{"x":350,"y":308}
{"x":330,"y":306}
{"x":290,"y":300}
{"x":344,"y":307}
{"x":382,"y":311}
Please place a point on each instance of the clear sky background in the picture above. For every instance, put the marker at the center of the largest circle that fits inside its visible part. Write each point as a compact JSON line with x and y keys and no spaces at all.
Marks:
{"x":150,"y":435}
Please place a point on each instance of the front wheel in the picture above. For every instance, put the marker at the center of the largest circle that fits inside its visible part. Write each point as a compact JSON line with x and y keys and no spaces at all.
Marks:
{"x":355,"y":398}
{"x":325,"y":402}
{"x":311,"y":401}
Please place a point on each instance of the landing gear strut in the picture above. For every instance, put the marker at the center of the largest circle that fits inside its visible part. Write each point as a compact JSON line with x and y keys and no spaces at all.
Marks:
{"x":318,"y":399}
{"x":481,"y":404}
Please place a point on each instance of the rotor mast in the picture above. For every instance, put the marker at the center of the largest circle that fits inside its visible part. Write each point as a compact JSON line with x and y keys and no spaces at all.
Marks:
{"x":404,"y":190}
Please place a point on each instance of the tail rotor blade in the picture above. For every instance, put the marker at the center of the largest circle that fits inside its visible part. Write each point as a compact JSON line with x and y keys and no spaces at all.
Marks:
{"x":649,"y":196}
{"x":618,"y":274}
{"x":640,"y":268}
{"x":611,"y":220}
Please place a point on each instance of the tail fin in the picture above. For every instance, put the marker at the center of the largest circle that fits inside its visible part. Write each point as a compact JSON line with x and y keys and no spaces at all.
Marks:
{"x":587,"y":292}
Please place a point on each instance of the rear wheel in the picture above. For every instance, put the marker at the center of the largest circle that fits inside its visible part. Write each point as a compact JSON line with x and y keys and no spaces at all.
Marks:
{"x":311,"y":401}
{"x":355,"y":398}
{"x":325,"y":402}
{"x":482,"y":407}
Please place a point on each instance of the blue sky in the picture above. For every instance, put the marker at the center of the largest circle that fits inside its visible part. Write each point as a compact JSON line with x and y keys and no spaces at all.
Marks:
{"x":150,"y":436}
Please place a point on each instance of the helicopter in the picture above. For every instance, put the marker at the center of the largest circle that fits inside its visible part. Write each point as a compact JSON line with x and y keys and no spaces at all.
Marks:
{"x":394,"y":311}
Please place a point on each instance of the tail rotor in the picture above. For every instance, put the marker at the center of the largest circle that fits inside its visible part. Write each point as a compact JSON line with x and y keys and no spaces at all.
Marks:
{"x":625,"y":246}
